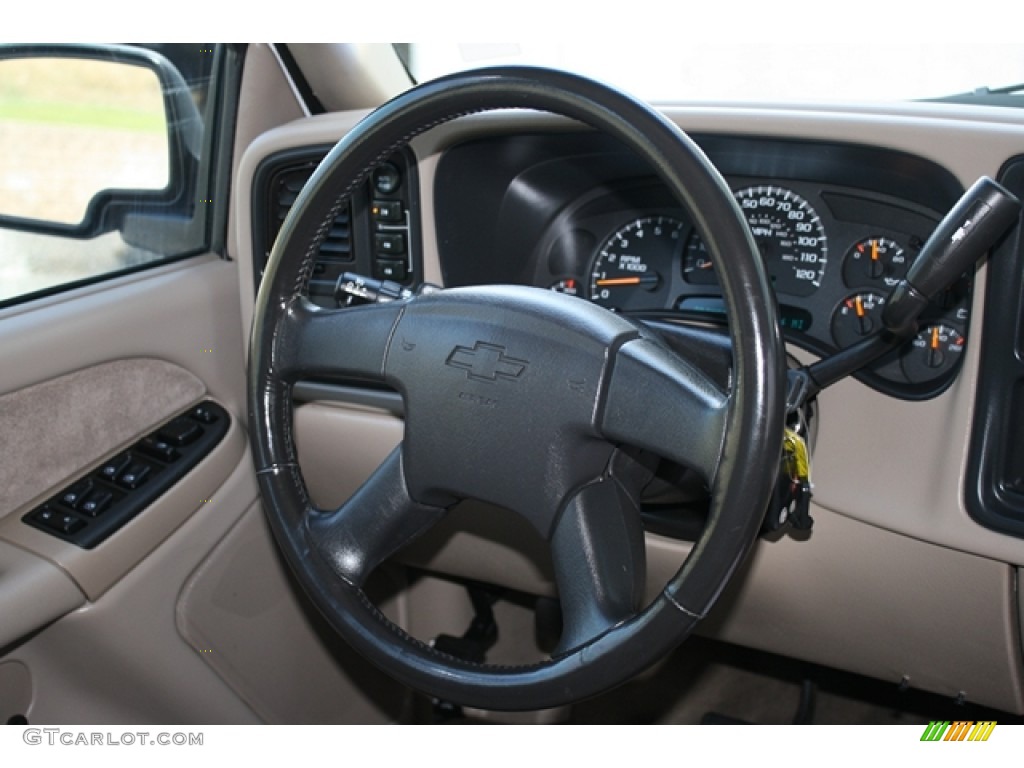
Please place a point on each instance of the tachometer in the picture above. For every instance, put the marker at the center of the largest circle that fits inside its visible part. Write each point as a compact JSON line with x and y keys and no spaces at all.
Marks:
{"x":789,"y":235}
{"x":634,"y":266}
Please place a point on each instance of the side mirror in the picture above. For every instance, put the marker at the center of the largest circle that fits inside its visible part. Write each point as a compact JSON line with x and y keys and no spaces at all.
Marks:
{"x":95,"y":138}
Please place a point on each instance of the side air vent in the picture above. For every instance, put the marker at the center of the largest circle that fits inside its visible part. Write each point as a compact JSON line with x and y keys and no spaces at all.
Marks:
{"x":338,"y":244}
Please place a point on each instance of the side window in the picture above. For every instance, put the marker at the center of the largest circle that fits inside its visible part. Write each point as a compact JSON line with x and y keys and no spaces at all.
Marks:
{"x":103,"y":161}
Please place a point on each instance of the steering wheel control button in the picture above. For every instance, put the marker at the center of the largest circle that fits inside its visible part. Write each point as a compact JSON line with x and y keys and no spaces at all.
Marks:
{"x":130,"y":482}
{"x":181,"y":431}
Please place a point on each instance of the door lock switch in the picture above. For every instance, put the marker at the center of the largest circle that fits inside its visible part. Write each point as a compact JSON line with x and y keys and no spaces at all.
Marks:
{"x":181,"y":431}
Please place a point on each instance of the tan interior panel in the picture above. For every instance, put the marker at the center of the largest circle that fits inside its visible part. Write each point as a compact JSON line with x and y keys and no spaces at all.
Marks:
{"x":246,"y":618}
{"x":33,"y":593}
{"x":859,"y":598}
{"x":50,"y":431}
{"x":264,"y":83}
{"x":339,"y":446}
{"x":853,"y":597}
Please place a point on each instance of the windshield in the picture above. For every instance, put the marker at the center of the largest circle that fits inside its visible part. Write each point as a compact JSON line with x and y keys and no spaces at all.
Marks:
{"x":749,"y":72}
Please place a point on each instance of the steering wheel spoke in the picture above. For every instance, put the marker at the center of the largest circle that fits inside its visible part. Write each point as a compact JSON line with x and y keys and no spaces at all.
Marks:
{"x":600,"y":566}
{"x":339,"y":344}
{"x":657,"y":401}
{"x":377,"y":521}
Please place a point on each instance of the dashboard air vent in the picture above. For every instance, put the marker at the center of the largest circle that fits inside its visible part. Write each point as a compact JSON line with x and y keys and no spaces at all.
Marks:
{"x":338,"y":244}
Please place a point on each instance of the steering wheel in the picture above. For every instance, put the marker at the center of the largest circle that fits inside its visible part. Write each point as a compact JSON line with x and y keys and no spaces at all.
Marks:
{"x":526,"y":399}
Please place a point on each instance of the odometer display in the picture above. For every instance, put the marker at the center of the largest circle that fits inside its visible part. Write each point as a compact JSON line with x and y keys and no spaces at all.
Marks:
{"x":789,"y":235}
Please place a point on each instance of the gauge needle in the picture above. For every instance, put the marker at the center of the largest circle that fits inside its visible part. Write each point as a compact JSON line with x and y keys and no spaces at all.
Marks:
{"x":874,"y":250}
{"x":647,"y":280}
{"x":935,"y":356}
{"x":863,"y":321}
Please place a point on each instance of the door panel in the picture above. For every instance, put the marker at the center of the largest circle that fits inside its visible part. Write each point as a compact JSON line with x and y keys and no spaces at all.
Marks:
{"x":86,"y":373}
{"x":173,"y":313}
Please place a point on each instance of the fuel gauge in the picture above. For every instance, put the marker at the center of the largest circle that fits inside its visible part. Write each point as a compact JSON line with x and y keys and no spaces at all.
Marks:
{"x":875,"y":262}
{"x":697,"y":266}
{"x":567,"y":285}
{"x":856,"y":317}
{"x":934,"y":351}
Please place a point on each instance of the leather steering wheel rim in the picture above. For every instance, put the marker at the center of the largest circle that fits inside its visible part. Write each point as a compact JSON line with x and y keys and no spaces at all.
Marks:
{"x":331,"y":553}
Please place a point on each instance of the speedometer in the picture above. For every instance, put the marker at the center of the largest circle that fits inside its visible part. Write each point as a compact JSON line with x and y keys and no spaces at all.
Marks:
{"x":789,"y":235}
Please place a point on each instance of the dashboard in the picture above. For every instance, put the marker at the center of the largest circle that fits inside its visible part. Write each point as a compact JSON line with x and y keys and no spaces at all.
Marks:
{"x":837,"y":226}
{"x":837,"y":220}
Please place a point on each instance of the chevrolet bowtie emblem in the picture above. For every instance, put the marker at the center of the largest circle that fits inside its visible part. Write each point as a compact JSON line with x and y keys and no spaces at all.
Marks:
{"x":486,"y":362}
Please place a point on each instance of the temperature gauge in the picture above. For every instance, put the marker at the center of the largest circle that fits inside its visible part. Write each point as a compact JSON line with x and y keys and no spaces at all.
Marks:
{"x":877,"y":261}
{"x":856,"y":317}
{"x":935,"y":350}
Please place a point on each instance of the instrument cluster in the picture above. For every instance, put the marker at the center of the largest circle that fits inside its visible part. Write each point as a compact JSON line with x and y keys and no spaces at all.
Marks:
{"x":833,"y":255}
{"x":837,"y":224}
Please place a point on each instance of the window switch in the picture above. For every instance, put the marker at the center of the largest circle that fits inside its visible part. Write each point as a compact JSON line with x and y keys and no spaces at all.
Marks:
{"x":96,"y":503}
{"x":73,"y":496}
{"x":158,"y":449}
{"x":135,"y":475}
{"x":113,"y":468}
{"x":60,"y":522}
